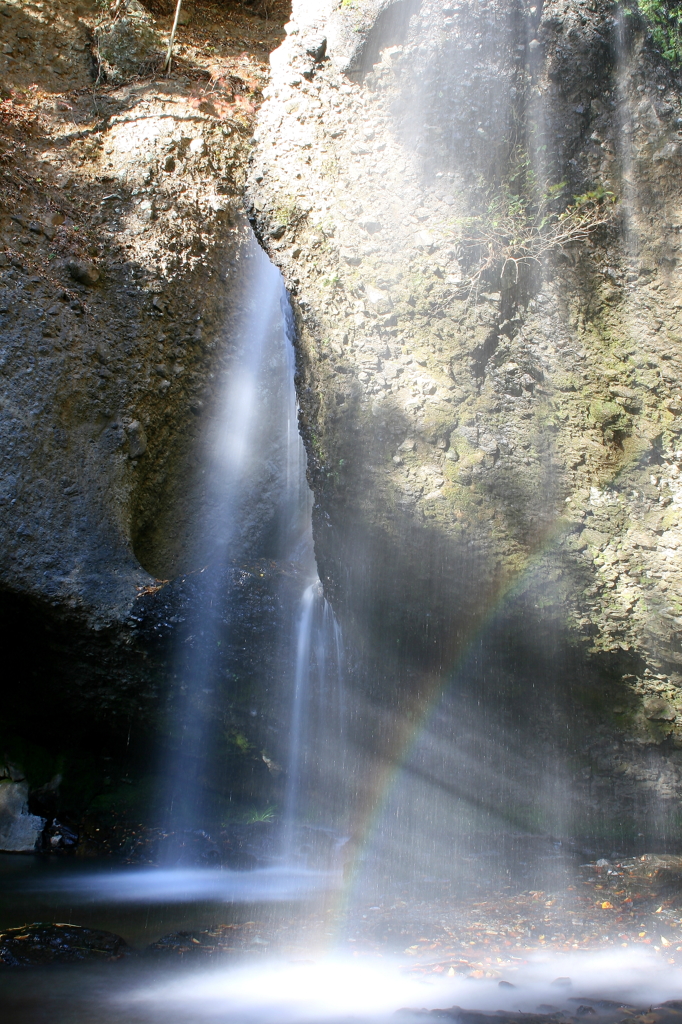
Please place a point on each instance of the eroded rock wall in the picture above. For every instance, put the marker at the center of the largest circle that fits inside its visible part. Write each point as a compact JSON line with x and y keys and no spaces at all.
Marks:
{"x":123,"y":256}
{"x":503,"y":445}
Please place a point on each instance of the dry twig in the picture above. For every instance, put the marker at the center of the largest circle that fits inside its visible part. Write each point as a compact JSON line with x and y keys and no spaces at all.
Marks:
{"x":169,"y":54}
{"x":509,"y":237}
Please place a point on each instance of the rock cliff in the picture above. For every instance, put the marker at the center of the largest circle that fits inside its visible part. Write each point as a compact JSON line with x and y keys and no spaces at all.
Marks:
{"x":490,"y":400}
{"x":476,"y":207}
{"x":123,"y":244}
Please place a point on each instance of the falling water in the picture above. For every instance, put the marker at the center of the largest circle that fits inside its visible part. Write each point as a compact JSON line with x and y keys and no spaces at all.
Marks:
{"x":255,"y":462}
{"x":301,"y":690}
{"x":317,"y":671}
{"x":256,"y":426}
{"x":230,"y":454}
{"x":317,"y":708}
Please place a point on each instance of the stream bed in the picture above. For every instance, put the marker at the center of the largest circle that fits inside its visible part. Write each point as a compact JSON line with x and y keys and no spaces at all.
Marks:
{"x":541,"y":932}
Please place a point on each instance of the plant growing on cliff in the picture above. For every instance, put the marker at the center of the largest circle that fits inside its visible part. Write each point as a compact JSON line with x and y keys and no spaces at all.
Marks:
{"x":523,"y":225}
{"x":261,"y":814}
{"x":665,"y":24}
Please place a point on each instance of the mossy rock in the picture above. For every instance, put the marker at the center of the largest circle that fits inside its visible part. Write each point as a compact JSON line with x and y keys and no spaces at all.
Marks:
{"x":39,"y":944}
{"x":126,"y":46}
{"x":605,"y":413}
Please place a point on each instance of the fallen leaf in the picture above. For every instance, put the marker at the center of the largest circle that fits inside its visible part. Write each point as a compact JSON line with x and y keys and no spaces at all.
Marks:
{"x":606,"y":905}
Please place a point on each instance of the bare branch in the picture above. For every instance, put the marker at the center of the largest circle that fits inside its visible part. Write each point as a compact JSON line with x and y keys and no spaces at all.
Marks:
{"x":169,"y":54}
{"x":509,"y":235}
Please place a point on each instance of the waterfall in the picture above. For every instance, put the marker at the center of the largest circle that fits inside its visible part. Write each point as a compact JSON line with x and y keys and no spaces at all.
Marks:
{"x":228,"y":458}
{"x":301,"y":695}
{"x":317,"y":719}
{"x":256,"y":460}
{"x":316,"y":693}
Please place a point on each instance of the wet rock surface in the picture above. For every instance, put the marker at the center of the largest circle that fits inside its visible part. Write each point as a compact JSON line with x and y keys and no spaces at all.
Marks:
{"x":39,"y":944}
{"x":110,"y":801}
{"x":223,"y":941}
{"x":20,"y":832}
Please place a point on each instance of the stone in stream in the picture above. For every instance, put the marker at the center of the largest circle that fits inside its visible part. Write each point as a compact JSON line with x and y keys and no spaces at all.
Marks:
{"x":39,"y":943}
{"x":462,"y":1016}
{"x":210,"y":942}
{"x":20,"y":832}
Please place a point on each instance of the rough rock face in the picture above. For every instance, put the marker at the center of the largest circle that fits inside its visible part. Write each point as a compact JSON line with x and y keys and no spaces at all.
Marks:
{"x":20,"y":832}
{"x":122,"y":253}
{"x":126,"y":43}
{"x":491,"y":440}
{"x":110,"y":318}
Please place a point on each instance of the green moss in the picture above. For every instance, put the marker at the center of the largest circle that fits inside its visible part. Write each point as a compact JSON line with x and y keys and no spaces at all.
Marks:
{"x":604,"y":413}
{"x":240,"y":741}
{"x":566,"y":382}
{"x":286,"y":211}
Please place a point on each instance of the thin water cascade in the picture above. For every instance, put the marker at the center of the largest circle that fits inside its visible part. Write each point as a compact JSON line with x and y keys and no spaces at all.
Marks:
{"x":316,"y":695}
{"x":318,"y":707}
{"x":256,"y":426}
{"x":301,"y":693}
{"x":258,"y":505}
{"x":229,"y":455}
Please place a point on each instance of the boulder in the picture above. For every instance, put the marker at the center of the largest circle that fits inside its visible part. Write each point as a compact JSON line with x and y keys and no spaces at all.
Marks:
{"x":126,"y":45}
{"x":20,"y":831}
{"x":83,"y":271}
{"x":38,"y":943}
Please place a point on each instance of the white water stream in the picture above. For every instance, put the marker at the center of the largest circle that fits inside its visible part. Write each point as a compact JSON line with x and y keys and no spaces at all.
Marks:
{"x":330,"y":989}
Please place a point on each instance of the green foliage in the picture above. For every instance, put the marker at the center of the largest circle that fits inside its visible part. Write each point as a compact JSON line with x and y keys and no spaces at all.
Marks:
{"x":248,"y":815}
{"x":286,"y":212}
{"x":240,"y":741}
{"x":260,"y":814}
{"x":665,"y":22}
{"x":524,"y":221}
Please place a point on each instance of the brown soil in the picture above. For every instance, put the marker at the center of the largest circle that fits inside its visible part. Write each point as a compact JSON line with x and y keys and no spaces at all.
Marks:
{"x":56,"y":107}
